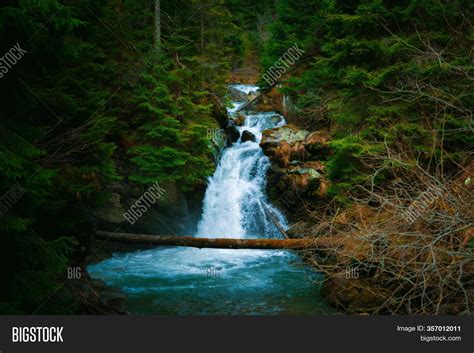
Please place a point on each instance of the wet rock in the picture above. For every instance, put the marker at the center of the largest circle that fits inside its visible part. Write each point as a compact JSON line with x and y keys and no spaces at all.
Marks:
{"x":274,"y":137}
{"x":115,"y":300}
{"x":233,"y":134}
{"x":248,"y":136}
{"x":238,"y":96}
{"x":285,"y":152}
{"x":219,"y":111}
{"x":172,"y":207}
{"x":312,"y":173}
{"x":314,"y":145}
{"x":292,"y":184}
{"x":113,"y":211}
{"x":98,"y":284}
{"x":169,"y":213}
{"x":295,"y":168}
{"x":239,"y":119}
{"x":284,"y":144}
{"x":93,"y":296}
{"x":290,"y":190}
{"x":276,"y":119}
{"x":218,"y":142}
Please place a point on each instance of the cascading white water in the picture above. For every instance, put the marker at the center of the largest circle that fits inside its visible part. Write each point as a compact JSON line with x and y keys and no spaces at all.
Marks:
{"x":235,"y":205}
{"x":175,"y":280}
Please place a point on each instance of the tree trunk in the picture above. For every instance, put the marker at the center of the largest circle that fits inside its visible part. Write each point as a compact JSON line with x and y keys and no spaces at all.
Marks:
{"x":223,"y":243}
{"x":275,"y":220}
{"x":157,"y":26}
{"x":202,"y":34}
{"x":244,"y":106}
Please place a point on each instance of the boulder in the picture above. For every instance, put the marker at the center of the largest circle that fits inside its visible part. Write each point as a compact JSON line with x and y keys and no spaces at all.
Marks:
{"x":115,"y":300}
{"x":274,"y":137}
{"x":217,"y":144}
{"x":295,"y":162}
{"x":284,"y":144}
{"x":248,"y":136}
{"x":238,"y":96}
{"x":352,"y":294}
{"x":239,"y":119}
{"x":95,"y":297}
{"x":98,"y":284}
{"x":298,"y":183}
{"x":112,"y":212}
{"x":169,"y":214}
{"x":289,"y":139}
{"x":310,"y":172}
{"x":317,"y":144}
{"x":285,"y":152}
{"x":275,"y":119}
{"x":296,"y":175}
{"x":233,"y":134}
{"x":219,"y":111}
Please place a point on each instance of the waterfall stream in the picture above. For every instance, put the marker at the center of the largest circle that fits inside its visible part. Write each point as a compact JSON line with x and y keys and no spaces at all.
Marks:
{"x":235,"y":203}
{"x":177,"y":280}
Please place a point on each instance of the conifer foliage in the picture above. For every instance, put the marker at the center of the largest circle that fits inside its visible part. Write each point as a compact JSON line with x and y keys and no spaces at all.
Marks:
{"x":94,"y":86}
{"x":381,"y":74}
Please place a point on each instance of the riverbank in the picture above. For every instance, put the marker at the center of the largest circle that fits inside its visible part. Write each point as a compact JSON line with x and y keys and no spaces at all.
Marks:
{"x":183,"y":280}
{"x":366,"y":272}
{"x":373,"y":270}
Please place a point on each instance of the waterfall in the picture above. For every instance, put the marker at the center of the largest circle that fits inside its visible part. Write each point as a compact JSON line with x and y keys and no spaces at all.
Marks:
{"x":235,"y":205}
{"x":180,"y":280}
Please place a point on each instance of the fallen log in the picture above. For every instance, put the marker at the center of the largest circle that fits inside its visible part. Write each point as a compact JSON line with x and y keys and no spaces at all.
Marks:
{"x":222,"y":243}
{"x":260,"y":95}
{"x":275,"y":221}
{"x":274,"y":84}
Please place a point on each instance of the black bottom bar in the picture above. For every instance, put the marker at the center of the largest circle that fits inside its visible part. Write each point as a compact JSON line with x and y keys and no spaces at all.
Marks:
{"x":220,"y":334}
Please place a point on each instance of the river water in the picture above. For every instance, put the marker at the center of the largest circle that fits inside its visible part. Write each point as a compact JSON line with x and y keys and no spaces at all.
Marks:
{"x":187,"y":281}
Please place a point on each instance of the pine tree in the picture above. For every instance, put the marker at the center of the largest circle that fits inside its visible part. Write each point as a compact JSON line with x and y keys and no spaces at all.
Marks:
{"x":381,"y":73}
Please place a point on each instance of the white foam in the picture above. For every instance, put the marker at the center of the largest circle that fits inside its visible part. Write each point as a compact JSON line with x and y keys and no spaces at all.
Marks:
{"x":246,"y":88}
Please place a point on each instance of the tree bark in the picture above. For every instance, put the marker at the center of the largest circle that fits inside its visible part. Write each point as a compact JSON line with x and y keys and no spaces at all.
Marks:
{"x":202,"y":34}
{"x":157,"y":26}
{"x":268,"y":89}
{"x":244,"y":106}
{"x":275,"y":221}
{"x":222,"y":243}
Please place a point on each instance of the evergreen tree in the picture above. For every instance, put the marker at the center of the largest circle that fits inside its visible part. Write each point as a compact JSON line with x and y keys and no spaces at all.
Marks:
{"x":383,"y":74}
